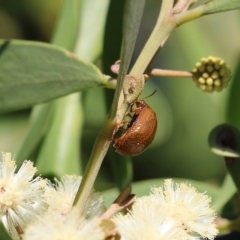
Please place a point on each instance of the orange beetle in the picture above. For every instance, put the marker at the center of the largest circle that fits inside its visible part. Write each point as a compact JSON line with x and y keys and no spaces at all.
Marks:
{"x":140,"y":130}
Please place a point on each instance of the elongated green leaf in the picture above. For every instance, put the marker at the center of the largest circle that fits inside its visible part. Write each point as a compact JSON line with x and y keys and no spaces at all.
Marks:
{"x":121,"y":166}
{"x":215,"y":6}
{"x":65,"y":34}
{"x":228,"y":189}
{"x":122,"y":170}
{"x":38,"y":127}
{"x":13,"y":127}
{"x":233,"y":115}
{"x":32,"y":73}
{"x":89,"y":43}
{"x":133,"y":16}
{"x":112,"y":42}
{"x":3,"y":233}
{"x":59,"y":153}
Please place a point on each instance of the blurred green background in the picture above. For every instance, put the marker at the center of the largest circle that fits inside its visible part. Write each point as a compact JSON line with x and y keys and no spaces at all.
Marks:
{"x":185,"y":114}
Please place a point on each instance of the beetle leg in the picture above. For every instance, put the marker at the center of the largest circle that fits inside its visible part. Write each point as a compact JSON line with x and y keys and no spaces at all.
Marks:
{"x":124,"y":123}
{"x":128,"y":115}
{"x":119,"y":125}
{"x":135,"y":110}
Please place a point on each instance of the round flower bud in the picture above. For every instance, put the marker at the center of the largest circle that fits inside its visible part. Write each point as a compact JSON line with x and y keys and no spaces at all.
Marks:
{"x":211,"y":74}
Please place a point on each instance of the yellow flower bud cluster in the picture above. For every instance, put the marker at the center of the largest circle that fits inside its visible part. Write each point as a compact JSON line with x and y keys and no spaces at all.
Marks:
{"x":211,"y":74}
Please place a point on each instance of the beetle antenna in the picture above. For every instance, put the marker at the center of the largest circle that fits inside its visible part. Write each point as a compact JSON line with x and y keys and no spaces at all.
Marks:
{"x":150,"y":94}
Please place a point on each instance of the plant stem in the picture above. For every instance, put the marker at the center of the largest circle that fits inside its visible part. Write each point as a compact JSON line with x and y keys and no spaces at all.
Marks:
{"x":170,"y":73}
{"x":165,"y":24}
{"x":189,"y":15}
{"x":99,"y":151}
{"x":133,"y":13}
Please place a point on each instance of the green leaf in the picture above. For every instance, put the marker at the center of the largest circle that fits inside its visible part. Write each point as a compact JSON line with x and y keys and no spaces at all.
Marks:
{"x":3,"y":233}
{"x":233,"y":166}
{"x":160,"y":33}
{"x":89,"y":43}
{"x":112,"y":42}
{"x":227,"y":190}
{"x":59,"y":153}
{"x":13,"y":128}
{"x":233,"y":115}
{"x":121,"y":166}
{"x":122,"y":170}
{"x":216,"y":6}
{"x":132,"y":19}
{"x":37,"y":129}
{"x":32,"y":73}
{"x":65,"y":34}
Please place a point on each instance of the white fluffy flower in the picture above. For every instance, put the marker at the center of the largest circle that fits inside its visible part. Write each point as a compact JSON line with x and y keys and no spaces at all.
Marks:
{"x":21,"y":196}
{"x":144,"y":224}
{"x":60,"y":197}
{"x":62,"y":221}
{"x":70,"y":226}
{"x":172,"y":212}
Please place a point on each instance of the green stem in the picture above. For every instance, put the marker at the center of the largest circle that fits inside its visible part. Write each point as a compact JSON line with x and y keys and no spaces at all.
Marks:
{"x":99,"y":151}
{"x":133,"y":14}
{"x":165,"y":24}
{"x":170,"y":73}
{"x":162,"y":29}
{"x":189,"y":15}
{"x":209,"y":8}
